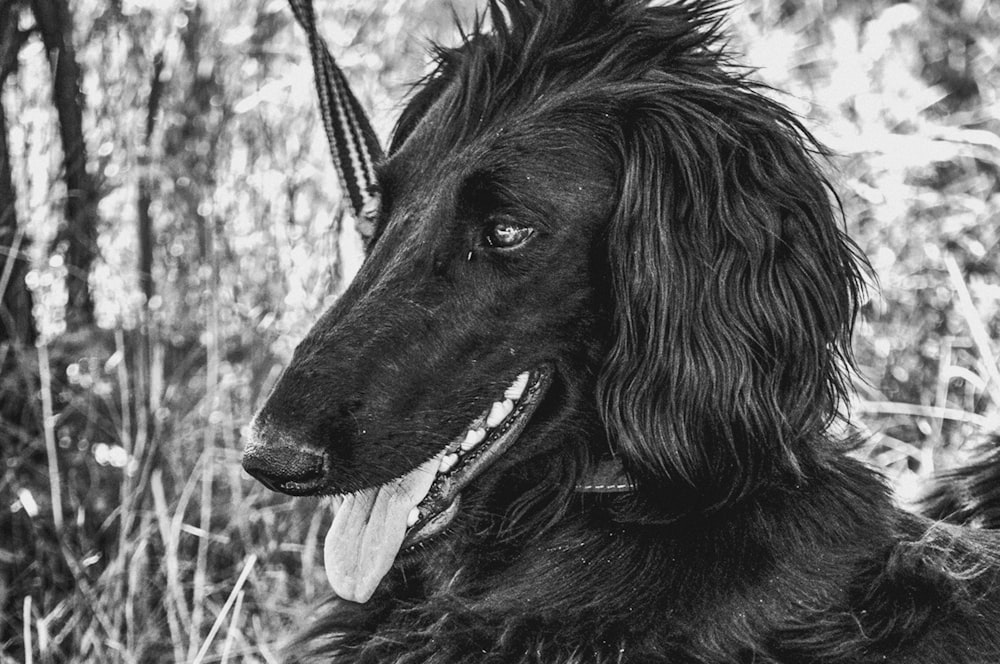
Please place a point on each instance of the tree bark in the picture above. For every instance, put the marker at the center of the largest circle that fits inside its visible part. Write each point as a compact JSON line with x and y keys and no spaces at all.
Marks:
{"x":145,"y":220}
{"x":55,"y":22}
{"x":17,"y":327}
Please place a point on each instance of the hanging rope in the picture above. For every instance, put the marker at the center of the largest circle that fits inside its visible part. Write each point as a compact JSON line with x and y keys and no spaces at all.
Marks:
{"x":353,"y":143}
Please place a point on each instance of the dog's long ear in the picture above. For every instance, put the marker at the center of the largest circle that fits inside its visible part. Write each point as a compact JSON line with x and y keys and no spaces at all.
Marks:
{"x":734,"y":291}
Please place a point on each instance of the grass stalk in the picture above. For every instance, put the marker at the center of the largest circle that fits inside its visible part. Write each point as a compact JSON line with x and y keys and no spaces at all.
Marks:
{"x":310,"y":546}
{"x":213,"y":403}
{"x":233,"y":594}
{"x":177,"y":607}
{"x":10,"y":261}
{"x":201,"y":563}
{"x":233,"y":630}
{"x":917,"y":410}
{"x":126,"y":490}
{"x":26,"y":624}
{"x":48,"y":426}
{"x":136,"y":567}
{"x":976,"y":327}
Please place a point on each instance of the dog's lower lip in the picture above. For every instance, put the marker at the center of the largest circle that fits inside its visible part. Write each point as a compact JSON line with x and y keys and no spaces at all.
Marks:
{"x":307,"y":488}
{"x":440,"y":505}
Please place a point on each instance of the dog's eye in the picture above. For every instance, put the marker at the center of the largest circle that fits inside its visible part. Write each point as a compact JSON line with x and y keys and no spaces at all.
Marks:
{"x":507,"y":234}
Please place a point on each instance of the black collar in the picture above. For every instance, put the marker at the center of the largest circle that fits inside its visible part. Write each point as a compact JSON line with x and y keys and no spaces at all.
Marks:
{"x":606,"y":476}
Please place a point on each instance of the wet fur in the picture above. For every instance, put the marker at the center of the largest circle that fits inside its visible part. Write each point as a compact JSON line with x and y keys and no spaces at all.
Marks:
{"x":693,"y":289}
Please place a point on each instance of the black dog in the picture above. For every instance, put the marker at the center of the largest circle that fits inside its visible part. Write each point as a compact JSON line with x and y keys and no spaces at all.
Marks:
{"x":579,"y":392}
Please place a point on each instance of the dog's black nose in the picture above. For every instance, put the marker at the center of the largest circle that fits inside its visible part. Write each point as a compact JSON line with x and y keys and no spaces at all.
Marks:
{"x":281,"y":464}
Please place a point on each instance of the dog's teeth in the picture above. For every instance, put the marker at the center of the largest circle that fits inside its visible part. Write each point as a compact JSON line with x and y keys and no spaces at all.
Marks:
{"x":448,"y":462}
{"x":497,"y":413}
{"x":473,"y":438}
{"x":516,"y":388}
{"x":413,"y":517}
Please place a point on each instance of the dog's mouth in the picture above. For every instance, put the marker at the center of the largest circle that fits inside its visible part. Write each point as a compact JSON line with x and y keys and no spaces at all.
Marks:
{"x":371,"y":527}
{"x":489,"y":436}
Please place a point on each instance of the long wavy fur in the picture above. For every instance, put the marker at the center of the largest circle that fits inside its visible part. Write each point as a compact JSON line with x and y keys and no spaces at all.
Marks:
{"x":717,"y":179}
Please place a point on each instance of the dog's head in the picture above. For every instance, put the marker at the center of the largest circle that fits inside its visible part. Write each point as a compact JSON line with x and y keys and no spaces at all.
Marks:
{"x":595,"y":237}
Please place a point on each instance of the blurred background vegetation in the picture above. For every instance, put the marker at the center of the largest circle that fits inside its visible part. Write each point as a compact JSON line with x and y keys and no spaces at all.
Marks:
{"x":170,"y":225}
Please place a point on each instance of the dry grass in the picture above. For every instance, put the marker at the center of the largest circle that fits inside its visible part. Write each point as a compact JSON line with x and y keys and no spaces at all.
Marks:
{"x":192,"y":562}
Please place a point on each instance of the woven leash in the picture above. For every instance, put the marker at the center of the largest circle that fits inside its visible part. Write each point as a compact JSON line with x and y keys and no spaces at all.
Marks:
{"x":353,"y":144}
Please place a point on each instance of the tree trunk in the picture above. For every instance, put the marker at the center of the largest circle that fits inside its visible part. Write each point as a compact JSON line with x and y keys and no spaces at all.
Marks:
{"x":17,"y":326}
{"x":80,"y":231}
{"x":145,"y":220}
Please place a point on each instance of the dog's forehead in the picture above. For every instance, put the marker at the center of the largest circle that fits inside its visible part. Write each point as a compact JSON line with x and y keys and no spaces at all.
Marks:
{"x":446,"y":137}
{"x":530,"y":141}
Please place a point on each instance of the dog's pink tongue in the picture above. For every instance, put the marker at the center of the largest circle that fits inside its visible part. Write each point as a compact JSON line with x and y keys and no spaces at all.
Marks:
{"x":367,"y":531}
